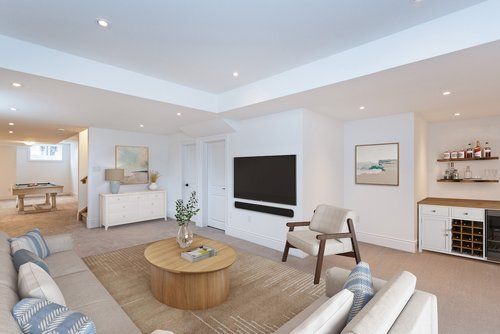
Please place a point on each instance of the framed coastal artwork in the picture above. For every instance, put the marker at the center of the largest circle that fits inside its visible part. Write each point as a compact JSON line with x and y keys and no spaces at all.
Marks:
{"x":135,"y":162}
{"x":377,"y":164}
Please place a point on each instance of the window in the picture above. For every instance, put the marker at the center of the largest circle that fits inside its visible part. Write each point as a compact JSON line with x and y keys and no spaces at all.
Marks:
{"x":46,"y":152}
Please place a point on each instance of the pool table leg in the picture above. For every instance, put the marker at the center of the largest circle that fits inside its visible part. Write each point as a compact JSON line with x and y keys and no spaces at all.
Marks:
{"x":20,"y":204}
{"x":47,"y":199}
{"x":53,"y":196}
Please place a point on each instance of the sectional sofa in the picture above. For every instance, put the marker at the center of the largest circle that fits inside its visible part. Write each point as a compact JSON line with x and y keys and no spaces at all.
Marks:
{"x":396,"y":308}
{"x":80,"y":288}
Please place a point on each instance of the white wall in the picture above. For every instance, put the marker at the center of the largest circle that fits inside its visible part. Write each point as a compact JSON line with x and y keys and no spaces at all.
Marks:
{"x":323,"y":149}
{"x":276,"y":134}
{"x":385,"y":213}
{"x":456,"y":135}
{"x":421,"y":176}
{"x":58,"y":172}
{"x":8,"y":168}
{"x":101,"y":151}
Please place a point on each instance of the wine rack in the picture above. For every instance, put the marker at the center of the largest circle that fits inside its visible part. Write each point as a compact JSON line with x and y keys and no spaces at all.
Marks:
{"x":467,"y":237}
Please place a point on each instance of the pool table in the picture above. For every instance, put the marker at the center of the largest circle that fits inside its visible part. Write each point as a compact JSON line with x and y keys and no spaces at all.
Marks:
{"x":49,"y":189}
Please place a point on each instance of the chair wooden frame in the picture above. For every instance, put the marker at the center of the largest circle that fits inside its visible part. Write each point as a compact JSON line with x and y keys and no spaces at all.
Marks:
{"x":322,"y":243}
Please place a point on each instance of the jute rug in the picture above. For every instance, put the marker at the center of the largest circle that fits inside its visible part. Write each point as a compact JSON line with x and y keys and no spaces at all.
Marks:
{"x":264,"y":295}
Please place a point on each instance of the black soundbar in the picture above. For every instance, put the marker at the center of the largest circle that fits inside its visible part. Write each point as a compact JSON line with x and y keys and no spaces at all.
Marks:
{"x":264,"y":208}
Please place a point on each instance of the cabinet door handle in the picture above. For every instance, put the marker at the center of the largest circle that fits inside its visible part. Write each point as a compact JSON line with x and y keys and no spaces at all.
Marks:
{"x":433,"y":211}
{"x":446,"y":235}
{"x":466,"y":213}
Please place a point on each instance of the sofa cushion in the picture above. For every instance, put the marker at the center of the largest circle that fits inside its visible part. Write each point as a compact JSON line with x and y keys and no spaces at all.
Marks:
{"x":109,"y":317}
{"x":8,"y":273}
{"x":23,"y":256}
{"x":379,"y":314}
{"x":306,"y":241}
{"x":8,"y":298}
{"x":4,"y":242}
{"x":34,"y":282}
{"x":288,"y":327}
{"x":59,"y":242}
{"x":32,"y":241}
{"x":360,"y":284}
{"x":36,"y":315}
{"x":418,"y":316}
{"x":330,"y":317}
{"x":64,"y":263}
{"x":81,"y":288}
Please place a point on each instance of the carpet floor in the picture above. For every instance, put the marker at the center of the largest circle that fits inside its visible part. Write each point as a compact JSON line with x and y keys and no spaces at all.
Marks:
{"x":264,"y":295}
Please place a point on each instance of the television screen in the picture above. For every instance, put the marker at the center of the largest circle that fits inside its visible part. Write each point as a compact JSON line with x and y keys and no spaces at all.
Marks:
{"x":268,"y":179}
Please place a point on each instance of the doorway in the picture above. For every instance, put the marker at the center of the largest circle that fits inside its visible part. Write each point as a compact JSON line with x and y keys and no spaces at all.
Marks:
{"x":216,"y":184}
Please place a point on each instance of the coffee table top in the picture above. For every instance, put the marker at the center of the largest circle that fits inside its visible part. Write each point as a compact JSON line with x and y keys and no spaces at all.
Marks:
{"x":166,"y":255}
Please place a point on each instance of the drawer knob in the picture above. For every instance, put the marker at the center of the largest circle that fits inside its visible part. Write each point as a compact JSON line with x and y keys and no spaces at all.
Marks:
{"x":466,"y":213}
{"x":433,"y":211}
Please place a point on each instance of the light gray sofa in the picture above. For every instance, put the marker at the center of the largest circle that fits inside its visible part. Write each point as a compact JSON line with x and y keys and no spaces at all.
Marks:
{"x":81,"y":289}
{"x":396,"y":308}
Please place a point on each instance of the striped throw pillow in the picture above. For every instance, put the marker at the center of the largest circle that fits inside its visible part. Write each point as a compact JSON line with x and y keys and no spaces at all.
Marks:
{"x":32,"y":241}
{"x":360,"y":284}
{"x":42,"y":316}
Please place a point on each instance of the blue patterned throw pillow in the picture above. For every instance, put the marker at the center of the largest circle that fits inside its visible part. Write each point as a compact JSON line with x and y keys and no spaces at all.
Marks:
{"x":360,"y":284}
{"x":40,"y":316}
{"x":32,"y":241}
{"x":23,"y":256}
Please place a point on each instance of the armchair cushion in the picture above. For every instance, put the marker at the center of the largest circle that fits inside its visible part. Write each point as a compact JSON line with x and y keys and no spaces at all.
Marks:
{"x":328,"y":219}
{"x":306,"y":241}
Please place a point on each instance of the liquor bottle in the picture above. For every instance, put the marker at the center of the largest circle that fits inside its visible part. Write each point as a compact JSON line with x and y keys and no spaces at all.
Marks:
{"x":461,"y":154}
{"x":487,"y":150}
{"x":477,"y":151}
{"x":469,"y":154}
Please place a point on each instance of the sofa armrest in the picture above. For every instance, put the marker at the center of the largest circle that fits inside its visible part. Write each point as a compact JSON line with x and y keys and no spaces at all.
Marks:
{"x":336,"y":277}
{"x":59,"y":242}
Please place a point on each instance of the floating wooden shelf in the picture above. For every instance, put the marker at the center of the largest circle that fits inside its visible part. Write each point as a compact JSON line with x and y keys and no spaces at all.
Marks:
{"x":468,"y":180}
{"x":467,"y":159}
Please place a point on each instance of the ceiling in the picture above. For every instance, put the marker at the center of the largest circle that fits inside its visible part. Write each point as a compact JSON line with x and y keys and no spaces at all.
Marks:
{"x":46,"y":105}
{"x":471,"y":75}
{"x":201,"y":43}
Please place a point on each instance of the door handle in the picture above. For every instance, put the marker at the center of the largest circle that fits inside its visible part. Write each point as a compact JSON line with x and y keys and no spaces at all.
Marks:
{"x":223,"y":188}
{"x":187,"y":184}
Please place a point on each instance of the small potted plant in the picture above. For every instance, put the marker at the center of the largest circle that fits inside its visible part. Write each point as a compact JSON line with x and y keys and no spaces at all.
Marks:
{"x":153,"y":178}
{"x":184,"y":213}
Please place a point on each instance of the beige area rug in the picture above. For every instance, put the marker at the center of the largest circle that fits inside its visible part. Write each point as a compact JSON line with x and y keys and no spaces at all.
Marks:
{"x":264,"y":295}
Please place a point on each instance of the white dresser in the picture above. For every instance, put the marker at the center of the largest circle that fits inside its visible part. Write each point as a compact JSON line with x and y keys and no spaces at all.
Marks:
{"x":125,"y":208}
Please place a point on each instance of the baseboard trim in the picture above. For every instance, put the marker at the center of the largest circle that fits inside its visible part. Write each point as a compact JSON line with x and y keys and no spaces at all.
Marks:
{"x":385,"y":241}
{"x":262,"y":240}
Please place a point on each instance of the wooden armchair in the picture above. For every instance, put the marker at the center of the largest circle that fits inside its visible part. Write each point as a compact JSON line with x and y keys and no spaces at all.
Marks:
{"x":330,"y":231}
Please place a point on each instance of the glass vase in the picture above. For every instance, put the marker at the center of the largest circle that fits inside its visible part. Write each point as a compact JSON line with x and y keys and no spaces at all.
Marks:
{"x":184,"y":235}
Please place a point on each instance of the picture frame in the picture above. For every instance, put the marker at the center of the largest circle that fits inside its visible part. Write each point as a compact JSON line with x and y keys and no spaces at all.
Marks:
{"x":135,"y":162}
{"x":377,"y":164}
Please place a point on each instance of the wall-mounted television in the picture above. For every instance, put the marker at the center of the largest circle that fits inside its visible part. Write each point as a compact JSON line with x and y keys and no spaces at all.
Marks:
{"x":266,"y":178}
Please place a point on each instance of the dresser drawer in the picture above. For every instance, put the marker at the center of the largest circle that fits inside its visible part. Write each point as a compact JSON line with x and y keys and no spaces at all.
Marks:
{"x":435,"y":210}
{"x":118,"y":199}
{"x":468,"y":214}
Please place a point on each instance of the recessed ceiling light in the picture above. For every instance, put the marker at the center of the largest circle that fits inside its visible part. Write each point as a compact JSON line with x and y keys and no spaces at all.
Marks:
{"x":102,"y":23}
{"x":141,"y":125}
{"x":29,"y":143}
{"x":61,"y":129}
{"x":236,"y":74}
{"x":13,"y":109}
{"x":11,"y":131}
{"x":11,"y":124}
{"x":456,"y":114}
{"x":179,"y":114}
{"x":362,"y":108}
{"x":16,"y":84}
{"x":446,"y":93}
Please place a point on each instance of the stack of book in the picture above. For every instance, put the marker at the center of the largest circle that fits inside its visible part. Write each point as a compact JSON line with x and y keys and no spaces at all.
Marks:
{"x":198,"y":254}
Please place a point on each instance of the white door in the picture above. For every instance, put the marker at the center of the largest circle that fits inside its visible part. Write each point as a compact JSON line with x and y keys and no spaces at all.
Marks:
{"x":189,"y":179}
{"x":216,"y":184}
{"x":435,"y":233}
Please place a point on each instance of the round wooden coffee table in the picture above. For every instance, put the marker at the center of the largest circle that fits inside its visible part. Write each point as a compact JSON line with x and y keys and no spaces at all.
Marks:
{"x":189,"y":286}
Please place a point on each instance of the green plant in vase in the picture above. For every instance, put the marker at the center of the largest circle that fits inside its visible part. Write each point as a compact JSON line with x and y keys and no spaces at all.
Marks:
{"x":184,"y":214}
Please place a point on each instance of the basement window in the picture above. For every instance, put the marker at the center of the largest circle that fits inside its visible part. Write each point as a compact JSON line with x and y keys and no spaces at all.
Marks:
{"x":46,"y":152}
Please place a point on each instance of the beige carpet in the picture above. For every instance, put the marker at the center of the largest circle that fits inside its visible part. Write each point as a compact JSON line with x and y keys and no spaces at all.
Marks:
{"x":264,"y":295}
